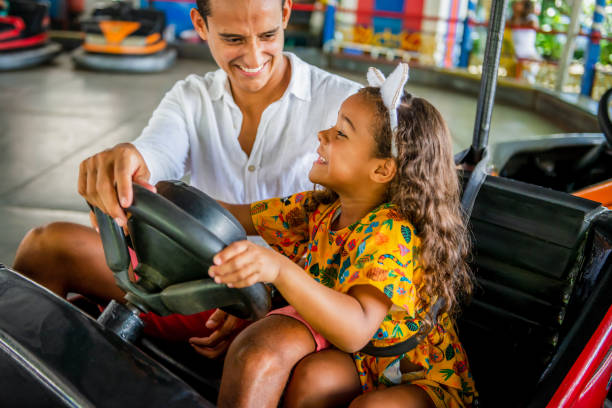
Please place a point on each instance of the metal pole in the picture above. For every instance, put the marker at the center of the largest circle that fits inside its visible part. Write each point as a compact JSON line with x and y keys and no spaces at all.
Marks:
{"x":570,"y":43}
{"x":329,"y":25}
{"x":488,"y":82}
{"x":593,"y":50}
{"x":466,"y":42}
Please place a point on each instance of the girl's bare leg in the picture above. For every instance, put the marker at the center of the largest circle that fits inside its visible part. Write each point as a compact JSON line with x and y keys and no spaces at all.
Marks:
{"x":260,"y":359}
{"x":324,"y":379}
{"x":398,"y":396}
{"x":67,"y":257}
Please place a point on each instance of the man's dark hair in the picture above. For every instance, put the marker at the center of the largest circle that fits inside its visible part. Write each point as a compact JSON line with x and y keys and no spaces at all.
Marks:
{"x":204,"y":8}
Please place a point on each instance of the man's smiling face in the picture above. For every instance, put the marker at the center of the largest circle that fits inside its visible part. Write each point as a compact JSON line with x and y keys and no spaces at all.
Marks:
{"x":246,"y":39}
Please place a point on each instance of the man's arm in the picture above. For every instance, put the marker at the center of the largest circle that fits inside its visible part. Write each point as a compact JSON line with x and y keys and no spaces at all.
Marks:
{"x":242,"y":212}
{"x":105,"y":179}
{"x":164,"y":142}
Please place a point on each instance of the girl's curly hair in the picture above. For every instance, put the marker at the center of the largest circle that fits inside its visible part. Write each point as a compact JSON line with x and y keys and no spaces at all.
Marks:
{"x":426,"y":192}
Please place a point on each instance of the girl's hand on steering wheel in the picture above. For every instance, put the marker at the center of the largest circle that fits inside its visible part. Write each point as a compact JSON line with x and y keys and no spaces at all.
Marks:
{"x":243,"y":264}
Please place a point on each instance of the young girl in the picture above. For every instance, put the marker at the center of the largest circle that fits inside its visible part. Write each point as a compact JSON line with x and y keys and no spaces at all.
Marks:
{"x":383,"y":242}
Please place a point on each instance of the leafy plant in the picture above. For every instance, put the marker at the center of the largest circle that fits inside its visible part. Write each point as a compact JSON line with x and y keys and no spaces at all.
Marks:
{"x":555,"y":15}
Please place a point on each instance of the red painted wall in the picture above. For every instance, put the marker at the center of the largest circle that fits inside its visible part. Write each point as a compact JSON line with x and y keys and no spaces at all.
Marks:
{"x":414,"y":8}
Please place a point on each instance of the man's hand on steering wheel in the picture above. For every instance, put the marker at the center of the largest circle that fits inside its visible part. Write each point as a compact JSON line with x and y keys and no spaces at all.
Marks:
{"x":226,"y":328}
{"x":105,"y":179}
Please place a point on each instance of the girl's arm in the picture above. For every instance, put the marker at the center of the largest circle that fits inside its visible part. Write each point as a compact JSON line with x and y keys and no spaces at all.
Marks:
{"x":347,"y":320}
{"x":242,"y":212}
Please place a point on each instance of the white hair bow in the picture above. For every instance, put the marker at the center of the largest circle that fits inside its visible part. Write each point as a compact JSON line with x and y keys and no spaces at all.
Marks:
{"x":391,"y":90}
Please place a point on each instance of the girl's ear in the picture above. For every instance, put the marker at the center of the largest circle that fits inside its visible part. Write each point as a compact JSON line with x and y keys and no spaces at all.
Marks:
{"x":384,"y":171}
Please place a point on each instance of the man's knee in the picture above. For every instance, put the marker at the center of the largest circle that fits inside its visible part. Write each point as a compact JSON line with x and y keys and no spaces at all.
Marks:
{"x":43,"y":245}
{"x":31,"y":244}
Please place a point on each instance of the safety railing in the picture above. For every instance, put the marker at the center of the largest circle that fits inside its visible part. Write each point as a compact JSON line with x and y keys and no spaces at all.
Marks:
{"x":446,"y":41}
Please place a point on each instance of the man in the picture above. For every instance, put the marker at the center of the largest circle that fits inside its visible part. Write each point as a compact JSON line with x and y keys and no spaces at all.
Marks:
{"x":245,"y":132}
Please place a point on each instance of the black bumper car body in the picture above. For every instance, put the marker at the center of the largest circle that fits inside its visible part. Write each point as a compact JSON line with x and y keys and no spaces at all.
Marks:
{"x":52,"y":354}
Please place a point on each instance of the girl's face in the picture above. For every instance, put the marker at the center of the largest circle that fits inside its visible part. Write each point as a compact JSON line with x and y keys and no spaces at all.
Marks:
{"x":345,"y":151}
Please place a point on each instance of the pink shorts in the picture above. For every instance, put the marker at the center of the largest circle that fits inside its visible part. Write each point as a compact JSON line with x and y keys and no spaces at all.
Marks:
{"x":290,"y":311}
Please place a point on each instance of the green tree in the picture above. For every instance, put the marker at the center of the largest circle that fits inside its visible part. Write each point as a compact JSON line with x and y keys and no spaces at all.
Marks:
{"x":555,"y":16}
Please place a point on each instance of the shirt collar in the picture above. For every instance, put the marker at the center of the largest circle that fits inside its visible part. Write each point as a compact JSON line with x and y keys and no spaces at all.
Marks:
{"x":219,"y":86}
{"x":299,"y":84}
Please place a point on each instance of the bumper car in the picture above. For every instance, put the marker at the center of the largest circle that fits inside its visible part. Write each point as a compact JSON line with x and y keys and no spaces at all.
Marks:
{"x":541,"y":318}
{"x":576,"y":163}
{"x":121,"y":38}
{"x":23,"y":35}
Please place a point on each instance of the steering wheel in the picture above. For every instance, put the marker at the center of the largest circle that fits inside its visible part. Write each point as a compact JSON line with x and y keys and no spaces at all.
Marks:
{"x":603,"y":116}
{"x":175,"y":234}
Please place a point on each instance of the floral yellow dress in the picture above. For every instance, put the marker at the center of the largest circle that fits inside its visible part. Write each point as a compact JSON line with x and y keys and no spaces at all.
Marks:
{"x":379,"y":250}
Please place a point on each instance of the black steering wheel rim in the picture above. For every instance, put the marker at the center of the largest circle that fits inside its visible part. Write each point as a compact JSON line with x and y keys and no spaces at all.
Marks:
{"x":176,"y":223}
{"x":181,"y":222}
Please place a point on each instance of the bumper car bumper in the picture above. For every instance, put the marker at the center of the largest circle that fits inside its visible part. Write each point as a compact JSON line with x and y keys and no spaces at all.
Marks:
{"x":28,"y":57}
{"x":157,"y":62}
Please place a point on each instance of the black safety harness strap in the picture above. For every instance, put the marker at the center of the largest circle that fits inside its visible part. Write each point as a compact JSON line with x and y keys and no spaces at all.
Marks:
{"x":403,"y":347}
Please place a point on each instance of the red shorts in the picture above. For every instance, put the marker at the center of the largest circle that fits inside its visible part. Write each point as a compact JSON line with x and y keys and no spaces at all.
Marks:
{"x":176,"y":327}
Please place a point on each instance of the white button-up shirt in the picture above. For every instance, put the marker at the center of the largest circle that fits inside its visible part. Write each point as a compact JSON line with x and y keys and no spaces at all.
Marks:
{"x":196,"y":127}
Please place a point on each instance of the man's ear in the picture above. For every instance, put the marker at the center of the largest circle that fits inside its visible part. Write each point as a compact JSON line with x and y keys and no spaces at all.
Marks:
{"x":198,"y":23}
{"x":384,"y":171}
{"x":287,"y":12}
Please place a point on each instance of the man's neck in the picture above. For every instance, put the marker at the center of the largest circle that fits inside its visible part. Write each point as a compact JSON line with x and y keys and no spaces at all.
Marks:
{"x":272,"y":91}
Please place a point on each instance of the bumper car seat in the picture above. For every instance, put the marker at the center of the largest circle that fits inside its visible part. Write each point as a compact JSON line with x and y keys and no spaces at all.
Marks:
{"x":121,"y":38}
{"x":23,"y":35}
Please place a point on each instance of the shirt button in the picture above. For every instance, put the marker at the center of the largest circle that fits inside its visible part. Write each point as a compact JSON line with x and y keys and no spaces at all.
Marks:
{"x":251,"y":168}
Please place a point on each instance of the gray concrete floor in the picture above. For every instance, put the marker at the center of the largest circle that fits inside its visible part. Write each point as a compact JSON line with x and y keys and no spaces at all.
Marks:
{"x":53,"y":117}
